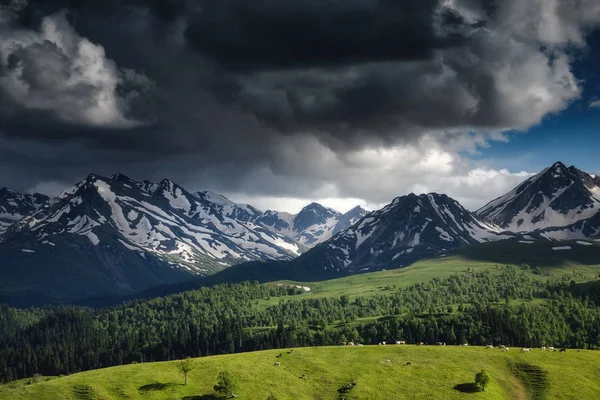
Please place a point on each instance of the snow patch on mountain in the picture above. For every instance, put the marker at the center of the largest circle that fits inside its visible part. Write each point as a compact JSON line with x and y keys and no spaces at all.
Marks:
{"x":159,"y":219}
{"x":15,"y":206}
{"x":556,"y":197}
{"x":409,"y":228}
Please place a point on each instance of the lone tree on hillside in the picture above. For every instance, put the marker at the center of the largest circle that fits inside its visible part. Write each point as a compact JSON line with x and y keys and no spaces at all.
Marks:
{"x":185,"y":367}
{"x":481,"y":379}
{"x":225,"y":384}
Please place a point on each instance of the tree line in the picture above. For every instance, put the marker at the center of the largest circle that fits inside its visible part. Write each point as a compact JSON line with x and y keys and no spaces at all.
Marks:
{"x":492,"y":307}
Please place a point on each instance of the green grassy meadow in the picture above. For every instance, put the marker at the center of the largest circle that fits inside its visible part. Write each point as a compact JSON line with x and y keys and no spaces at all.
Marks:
{"x":582,"y":264}
{"x":435,"y":372}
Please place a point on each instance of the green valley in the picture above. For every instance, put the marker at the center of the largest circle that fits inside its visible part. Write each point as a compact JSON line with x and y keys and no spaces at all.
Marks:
{"x":378,"y":372}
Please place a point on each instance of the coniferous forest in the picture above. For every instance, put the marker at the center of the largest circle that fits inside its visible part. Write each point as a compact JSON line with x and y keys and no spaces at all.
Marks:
{"x":494,"y":307}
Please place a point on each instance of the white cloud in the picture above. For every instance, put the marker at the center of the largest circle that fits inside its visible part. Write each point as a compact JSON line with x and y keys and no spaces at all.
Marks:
{"x":372,"y":177}
{"x":57,"y":70}
{"x":294,"y":204}
{"x":594,"y":104}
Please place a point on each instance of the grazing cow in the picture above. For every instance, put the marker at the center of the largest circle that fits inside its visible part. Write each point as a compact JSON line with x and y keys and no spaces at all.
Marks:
{"x":360,"y":345}
{"x":408,"y":363}
{"x":277,"y":356}
{"x":550,"y":348}
{"x":303,"y":376}
{"x":543,"y":348}
{"x":505,"y":348}
{"x":400,"y":342}
{"x":465,"y":344}
{"x":350,"y":343}
{"x":562,"y":351}
{"x":421,"y":344}
{"x":388,"y":361}
{"x":440,"y":343}
{"x":277,"y":364}
{"x":525,"y":350}
{"x":489,"y":346}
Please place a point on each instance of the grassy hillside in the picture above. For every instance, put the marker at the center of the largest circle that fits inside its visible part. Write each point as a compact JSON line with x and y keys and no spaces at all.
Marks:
{"x":584,"y":260}
{"x":435,"y":372}
{"x":582,"y":264}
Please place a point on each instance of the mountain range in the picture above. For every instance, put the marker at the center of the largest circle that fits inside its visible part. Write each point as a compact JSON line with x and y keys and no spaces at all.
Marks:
{"x":15,"y":206}
{"x":113,"y":236}
{"x":116,"y":236}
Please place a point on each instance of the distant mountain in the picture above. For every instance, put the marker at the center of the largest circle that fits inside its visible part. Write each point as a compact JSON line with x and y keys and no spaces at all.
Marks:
{"x":15,"y":206}
{"x":556,"y":197}
{"x":314,"y":224}
{"x":409,"y":228}
{"x":116,"y":236}
{"x":113,"y":236}
{"x":239,"y":212}
{"x":278,"y":222}
{"x":348,"y":219}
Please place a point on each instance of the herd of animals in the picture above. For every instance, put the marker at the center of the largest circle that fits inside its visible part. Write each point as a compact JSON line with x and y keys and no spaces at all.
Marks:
{"x":489,"y":346}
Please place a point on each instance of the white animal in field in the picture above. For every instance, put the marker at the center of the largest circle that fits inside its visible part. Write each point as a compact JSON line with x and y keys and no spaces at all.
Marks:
{"x":360,"y":345}
{"x":505,"y":348}
{"x":543,"y":348}
{"x":400,"y":342}
{"x":277,"y":364}
{"x":550,"y":348}
{"x":526,"y":350}
{"x":489,"y":346}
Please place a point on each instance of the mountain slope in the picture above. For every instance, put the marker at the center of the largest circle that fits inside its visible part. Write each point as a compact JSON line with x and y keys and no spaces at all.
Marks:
{"x":314,"y":224}
{"x":556,"y":197}
{"x":113,"y":236}
{"x":409,"y":228}
{"x":15,"y":206}
{"x":239,"y":212}
{"x":349,"y":219}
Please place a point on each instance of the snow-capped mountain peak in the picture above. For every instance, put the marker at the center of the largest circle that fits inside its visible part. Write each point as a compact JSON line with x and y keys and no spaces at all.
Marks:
{"x":240,"y":212}
{"x":15,"y":206}
{"x":556,"y":197}
{"x":408,"y":228}
{"x":349,"y":218}
{"x":116,"y":223}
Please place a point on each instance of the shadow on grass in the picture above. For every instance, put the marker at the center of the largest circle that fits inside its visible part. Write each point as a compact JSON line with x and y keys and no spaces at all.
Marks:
{"x":203,"y":397}
{"x":467,"y":388}
{"x":538,"y":253}
{"x":156,"y":386}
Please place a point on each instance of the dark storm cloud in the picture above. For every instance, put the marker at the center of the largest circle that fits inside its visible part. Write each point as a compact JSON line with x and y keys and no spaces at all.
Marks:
{"x":210,"y":54}
{"x":232,"y":85}
{"x":272,"y":34}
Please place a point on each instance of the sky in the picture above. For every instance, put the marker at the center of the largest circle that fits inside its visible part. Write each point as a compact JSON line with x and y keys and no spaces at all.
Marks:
{"x":280,"y":103}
